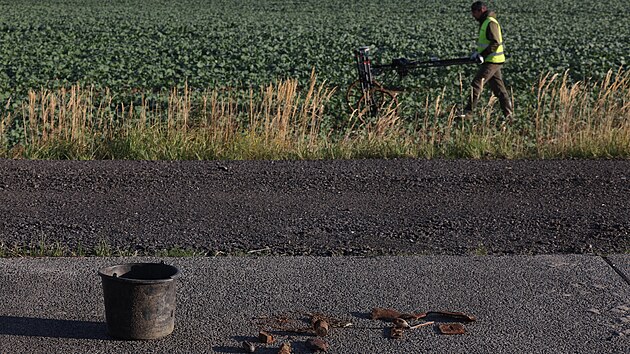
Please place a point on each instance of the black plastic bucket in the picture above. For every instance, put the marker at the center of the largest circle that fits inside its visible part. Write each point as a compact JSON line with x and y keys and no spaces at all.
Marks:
{"x":139,"y":299}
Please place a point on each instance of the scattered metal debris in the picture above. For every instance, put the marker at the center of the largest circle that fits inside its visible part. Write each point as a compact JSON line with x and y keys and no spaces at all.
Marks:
{"x":400,"y":323}
{"x":309,"y":323}
{"x":319,"y":325}
{"x":401,"y":320}
{"x":304,"y":323}
{"x":331,"y":322}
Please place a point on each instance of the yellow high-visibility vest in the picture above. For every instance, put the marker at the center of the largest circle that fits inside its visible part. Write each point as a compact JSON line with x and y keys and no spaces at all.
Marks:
{"x":498,"y":56}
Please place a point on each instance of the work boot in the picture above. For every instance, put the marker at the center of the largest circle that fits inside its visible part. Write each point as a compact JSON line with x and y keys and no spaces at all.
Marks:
{"x":506,"y":107}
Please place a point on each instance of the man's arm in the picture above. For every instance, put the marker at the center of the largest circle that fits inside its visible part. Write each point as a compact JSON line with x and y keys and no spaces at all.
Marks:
{"x":492,"y":33}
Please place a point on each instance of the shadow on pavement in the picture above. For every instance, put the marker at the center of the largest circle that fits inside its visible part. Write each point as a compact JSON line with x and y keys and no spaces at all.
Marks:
{"x":48,"y":327}
{"x":298,"y":344}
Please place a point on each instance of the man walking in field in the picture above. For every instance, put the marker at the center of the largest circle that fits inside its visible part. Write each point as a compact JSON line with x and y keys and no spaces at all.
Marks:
{"x":491,"y":56}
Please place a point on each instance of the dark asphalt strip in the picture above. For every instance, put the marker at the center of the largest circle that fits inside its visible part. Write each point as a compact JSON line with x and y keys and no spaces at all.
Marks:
{"x":617,"y":270}
{"x":322,"y":208}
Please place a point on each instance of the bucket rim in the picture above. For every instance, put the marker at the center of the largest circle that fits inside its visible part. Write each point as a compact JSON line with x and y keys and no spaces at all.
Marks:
{"x":103,"y":272}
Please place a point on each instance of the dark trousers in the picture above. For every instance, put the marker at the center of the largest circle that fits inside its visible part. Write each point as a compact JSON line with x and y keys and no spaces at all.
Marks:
{"x":491,"y":74}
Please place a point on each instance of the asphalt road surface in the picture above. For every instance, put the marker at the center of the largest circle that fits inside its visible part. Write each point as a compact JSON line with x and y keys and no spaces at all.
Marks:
{"x":522,"y":304}
{"x":357,"y":207}
{"x":428,"y":218}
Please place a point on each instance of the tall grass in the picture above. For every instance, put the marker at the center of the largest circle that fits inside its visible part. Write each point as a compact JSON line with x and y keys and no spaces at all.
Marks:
{"x":284,"y":121}
{"x":581,"y":119}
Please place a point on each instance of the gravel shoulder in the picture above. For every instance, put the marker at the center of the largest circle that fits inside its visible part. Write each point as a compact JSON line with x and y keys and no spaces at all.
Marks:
{"x":340,"y":207}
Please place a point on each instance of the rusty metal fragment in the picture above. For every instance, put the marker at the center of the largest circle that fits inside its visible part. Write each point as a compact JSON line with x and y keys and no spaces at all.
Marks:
{"x":321,"y":328}
{"x":332,"y":322}
{"x":265,"y":337}
{"x":387,"y":314}
{"x":452,"y":328}
{"x":317,"y":345}
{"x":396,"y":332}
{"x":455,"y":316}
{"x":285,"y":348}
{"x":380,"y":313}
{"x":424,"y":324}
{"x":399,"y":322}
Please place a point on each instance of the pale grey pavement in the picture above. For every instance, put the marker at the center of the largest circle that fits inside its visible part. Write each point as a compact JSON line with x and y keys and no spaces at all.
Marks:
{"x":524,"y":304}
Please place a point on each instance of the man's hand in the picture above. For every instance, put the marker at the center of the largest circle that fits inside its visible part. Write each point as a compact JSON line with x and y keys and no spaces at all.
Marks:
{"x":477,"y":57}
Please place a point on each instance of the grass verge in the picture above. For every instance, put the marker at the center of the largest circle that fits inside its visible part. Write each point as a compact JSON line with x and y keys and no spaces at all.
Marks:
{"x":282,"y":121}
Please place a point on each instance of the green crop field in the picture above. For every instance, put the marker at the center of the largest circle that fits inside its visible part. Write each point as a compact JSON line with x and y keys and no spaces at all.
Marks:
{"x":145,"y":47}
{"x":153,"y":44}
